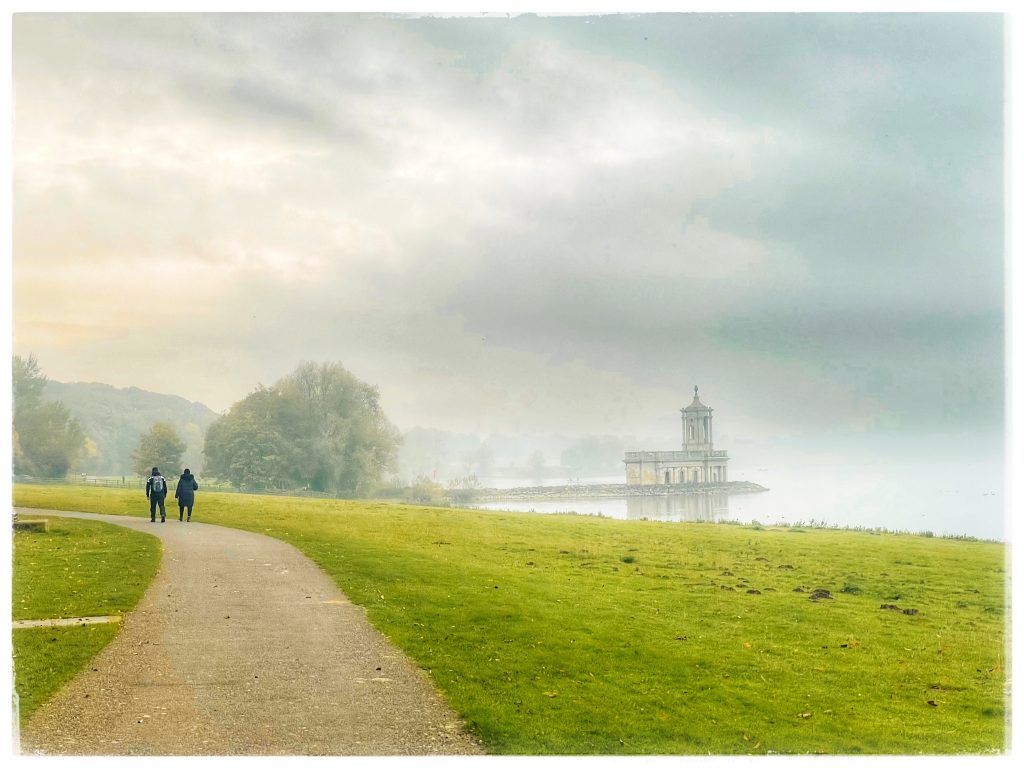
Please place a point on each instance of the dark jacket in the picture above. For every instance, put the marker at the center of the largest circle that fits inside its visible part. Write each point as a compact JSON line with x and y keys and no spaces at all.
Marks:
{"x":185,"y":493}
{"x":149,"y":486}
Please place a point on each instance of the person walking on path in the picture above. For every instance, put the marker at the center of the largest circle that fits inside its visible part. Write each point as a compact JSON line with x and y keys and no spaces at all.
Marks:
{"x":156,"y":492}
{"x":185,"y":493}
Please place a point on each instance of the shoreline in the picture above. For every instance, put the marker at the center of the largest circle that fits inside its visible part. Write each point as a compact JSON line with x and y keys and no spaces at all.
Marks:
{"x":599,"y":491}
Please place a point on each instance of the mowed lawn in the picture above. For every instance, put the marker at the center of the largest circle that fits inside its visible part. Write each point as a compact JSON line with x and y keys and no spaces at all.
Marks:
{"x":560,"y":634}
{"x":73,"y":569}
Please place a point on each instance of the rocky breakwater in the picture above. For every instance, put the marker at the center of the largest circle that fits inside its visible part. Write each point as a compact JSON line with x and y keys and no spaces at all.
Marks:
{"x":602,"y":491}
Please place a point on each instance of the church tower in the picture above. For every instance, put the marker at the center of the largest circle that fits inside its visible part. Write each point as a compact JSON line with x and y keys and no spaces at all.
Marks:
{"x":697,"y":435}
{"x":698,"y":464}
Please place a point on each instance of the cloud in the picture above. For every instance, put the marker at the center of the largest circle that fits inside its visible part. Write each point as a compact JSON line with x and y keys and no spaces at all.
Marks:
{"x":530,"y":224}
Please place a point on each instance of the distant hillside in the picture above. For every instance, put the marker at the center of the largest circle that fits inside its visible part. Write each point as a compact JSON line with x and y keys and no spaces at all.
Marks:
{"x":114,"y":420}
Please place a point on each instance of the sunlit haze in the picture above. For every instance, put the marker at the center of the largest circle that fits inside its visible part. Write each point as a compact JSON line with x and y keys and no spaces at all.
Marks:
{"x":536,"y":226}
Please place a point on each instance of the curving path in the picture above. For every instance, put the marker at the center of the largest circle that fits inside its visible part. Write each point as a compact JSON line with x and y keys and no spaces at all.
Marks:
{"x":243,"y":646}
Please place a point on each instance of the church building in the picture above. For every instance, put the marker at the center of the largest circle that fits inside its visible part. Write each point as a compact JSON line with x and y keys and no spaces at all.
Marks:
{"x":697,"y":463}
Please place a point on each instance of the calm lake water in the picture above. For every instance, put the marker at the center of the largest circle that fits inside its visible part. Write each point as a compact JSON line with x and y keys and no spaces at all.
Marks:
{"x":946,"y":498}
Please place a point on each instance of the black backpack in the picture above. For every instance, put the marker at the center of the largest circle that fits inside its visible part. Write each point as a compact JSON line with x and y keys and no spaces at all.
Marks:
{"x":158,"y":484}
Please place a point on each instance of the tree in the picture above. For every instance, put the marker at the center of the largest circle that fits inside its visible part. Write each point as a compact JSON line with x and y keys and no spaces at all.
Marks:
{"x":594,"y":455}
{"x":425,"y":491}
{"x":17,"y":455}
{"x":423,"y":452}
{"x":246,"y":448}
{"x":160,"y":447}
{"x":50,"y":439}
{"x":319,"y":428}
{"x":28,"y":382}
{"x":478,"y":461}
{"x":46,"y":439}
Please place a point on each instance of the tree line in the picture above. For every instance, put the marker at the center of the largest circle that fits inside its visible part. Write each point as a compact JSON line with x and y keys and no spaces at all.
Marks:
{"x":114,"y":419}
{"x":319,"y":428}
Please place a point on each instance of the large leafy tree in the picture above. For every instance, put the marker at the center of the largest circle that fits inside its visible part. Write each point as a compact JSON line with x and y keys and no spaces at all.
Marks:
{"x":160,"y":447}
{"x":247,"y":447}
{"x":319,"y":428}
{"x":47,"y":439}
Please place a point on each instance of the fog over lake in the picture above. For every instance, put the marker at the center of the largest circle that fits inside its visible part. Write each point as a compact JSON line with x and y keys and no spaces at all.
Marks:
{"x":900,"y":487}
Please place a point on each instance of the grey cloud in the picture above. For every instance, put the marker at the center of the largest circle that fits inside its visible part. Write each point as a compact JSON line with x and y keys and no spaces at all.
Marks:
{"x":766,"y":204}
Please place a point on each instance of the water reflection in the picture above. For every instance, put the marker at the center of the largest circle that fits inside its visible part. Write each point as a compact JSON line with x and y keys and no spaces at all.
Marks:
{"x":698,"y":506}
{"x":701,"y":506}
{"x":943,"y":495}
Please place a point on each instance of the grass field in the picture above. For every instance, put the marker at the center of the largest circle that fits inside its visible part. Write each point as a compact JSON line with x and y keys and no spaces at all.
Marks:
{"x":75,"y":568}
{"x":566,"y":635}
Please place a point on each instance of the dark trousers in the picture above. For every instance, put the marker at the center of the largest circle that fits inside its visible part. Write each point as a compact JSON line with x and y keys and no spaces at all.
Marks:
{"x":154,"y":499}
{"x":181,"y":510}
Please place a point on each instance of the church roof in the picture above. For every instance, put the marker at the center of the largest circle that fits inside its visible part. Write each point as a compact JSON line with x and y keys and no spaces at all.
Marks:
{"x":696,"y":405}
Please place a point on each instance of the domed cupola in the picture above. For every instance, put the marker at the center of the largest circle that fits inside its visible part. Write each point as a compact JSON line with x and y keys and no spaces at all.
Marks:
{"x":697,"y":434}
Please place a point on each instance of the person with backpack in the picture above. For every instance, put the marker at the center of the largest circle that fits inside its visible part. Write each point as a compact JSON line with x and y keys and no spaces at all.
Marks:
{"x":156,"y":492}
{"x":185,"y":493}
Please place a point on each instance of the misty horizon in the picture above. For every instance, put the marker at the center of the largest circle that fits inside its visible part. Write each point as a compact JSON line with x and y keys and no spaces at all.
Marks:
{"x":526,"y":232}
{"x":990,"y":444}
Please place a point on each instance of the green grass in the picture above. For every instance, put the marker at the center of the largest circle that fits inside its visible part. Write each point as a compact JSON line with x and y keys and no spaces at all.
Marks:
{"x":75,"y":568}
{"x":568,"y":634}
{"x":80,"y":568}
{"x":45,"y":659}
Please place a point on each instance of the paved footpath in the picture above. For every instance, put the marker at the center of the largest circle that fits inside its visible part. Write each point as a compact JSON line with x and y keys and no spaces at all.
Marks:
{"x":242,"y":646}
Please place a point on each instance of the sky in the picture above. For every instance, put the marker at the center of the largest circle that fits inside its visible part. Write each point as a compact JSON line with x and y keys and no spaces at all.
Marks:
{"x":524,"y":225}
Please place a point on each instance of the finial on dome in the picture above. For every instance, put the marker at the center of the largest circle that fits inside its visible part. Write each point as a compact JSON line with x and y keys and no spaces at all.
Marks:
{"x":694,"y":390}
